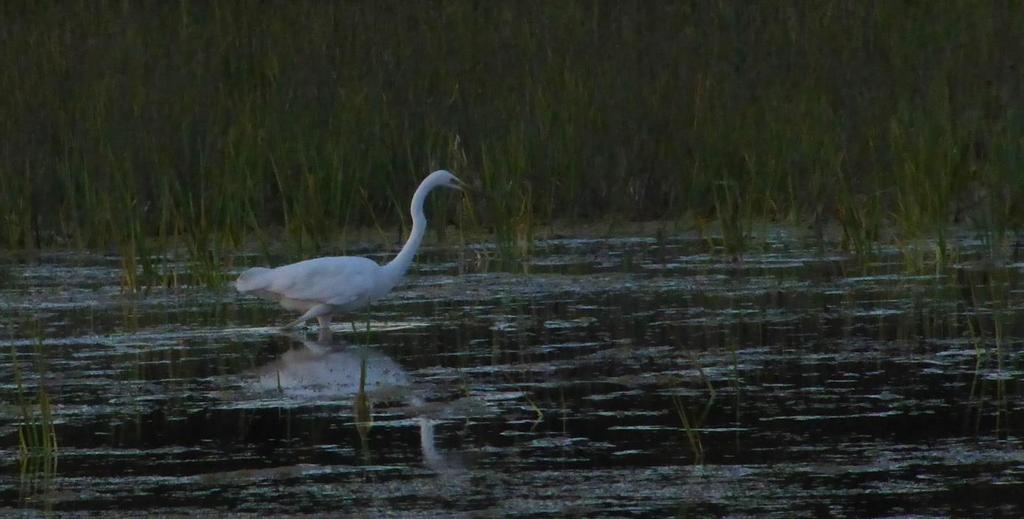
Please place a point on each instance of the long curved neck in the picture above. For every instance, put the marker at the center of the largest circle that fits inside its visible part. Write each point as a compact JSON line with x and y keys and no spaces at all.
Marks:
{"x":397,"y":267}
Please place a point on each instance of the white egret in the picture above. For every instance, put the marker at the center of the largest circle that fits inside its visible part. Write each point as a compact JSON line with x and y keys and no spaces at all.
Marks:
{"x":322,"y":287}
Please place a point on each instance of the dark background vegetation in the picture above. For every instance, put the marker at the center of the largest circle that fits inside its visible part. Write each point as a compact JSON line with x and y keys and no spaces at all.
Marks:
{"x":140,"y":124}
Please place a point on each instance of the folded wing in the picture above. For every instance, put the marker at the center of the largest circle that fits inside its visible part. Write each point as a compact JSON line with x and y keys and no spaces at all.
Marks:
{"x":339,"y":280}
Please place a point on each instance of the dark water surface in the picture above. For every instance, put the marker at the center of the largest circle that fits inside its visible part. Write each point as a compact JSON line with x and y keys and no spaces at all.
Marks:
{"x":621,"y":377}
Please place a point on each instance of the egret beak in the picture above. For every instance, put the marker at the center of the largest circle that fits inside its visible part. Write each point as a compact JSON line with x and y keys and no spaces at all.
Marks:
{"x":460,"y":185}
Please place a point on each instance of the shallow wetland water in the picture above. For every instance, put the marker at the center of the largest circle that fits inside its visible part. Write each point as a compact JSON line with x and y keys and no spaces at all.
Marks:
{"x":620,"y":377}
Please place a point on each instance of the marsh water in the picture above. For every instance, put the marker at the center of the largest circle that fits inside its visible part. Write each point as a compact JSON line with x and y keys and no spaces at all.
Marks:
{"x":612,"y":377}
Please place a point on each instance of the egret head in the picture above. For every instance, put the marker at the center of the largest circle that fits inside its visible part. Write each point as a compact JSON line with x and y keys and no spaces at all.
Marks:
{"x":445,"y":178}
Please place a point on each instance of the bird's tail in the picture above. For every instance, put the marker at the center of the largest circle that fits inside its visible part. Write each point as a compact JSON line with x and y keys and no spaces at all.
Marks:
{"x":252,"y":279}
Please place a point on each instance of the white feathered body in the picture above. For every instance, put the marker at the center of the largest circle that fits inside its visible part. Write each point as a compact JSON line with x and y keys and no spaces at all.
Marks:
{"x":344,"y":283}
{"x":323,"y":287}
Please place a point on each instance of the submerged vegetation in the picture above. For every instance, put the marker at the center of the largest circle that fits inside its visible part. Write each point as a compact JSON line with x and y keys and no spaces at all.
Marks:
{"x":37,"y":437}
{"x":205,"y":127}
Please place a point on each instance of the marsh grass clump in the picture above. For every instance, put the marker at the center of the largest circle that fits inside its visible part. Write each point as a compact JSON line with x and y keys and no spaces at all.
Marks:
{"x":37,"y":437}
{"x":214,"y":126}
{"x":986,"y":294}
{"x":691,"y":424}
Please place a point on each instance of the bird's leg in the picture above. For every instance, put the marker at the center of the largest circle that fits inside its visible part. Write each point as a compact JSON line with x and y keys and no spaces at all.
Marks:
{"x":353,"y":324}
{"x":316,"y":311}
{"x":325,"y":328}
{"x":367,"y":327}
{"x":295,"y":323}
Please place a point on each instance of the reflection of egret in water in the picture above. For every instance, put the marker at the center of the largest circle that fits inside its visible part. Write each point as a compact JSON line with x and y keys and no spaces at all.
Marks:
{"x":322,"y":369}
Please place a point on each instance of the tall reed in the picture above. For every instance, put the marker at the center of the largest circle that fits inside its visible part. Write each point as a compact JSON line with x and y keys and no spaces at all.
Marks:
{"x":37,"y":438}
{"x":216,"y":126}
